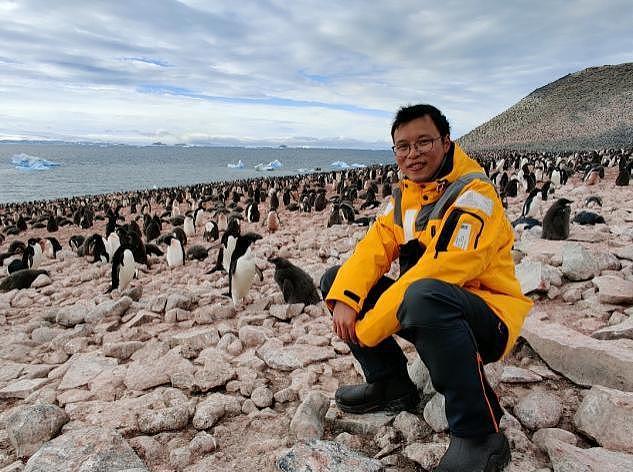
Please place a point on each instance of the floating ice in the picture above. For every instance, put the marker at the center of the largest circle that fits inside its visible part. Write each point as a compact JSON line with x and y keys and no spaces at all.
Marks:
{"x":272,"y":165}
{"x":340,"y":164}
{"x":239,"y":165}
{"x":26,"y":162}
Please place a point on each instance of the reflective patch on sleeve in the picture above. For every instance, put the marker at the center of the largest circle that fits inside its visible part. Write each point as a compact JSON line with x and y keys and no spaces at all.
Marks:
{"x":463,"y":237}
{"x":475,"y":200}
{"x":389,"y":207}
{"x":409,"y":224}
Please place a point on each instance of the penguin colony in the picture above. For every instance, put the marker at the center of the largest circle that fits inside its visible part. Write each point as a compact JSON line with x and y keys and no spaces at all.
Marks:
{"x":220,"y":224}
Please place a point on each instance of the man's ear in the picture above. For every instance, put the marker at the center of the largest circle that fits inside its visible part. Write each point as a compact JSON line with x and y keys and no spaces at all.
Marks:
{"x":446,"y":142}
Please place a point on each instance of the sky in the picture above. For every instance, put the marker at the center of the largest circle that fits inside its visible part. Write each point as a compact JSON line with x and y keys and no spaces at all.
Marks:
{"x":302,"y":73}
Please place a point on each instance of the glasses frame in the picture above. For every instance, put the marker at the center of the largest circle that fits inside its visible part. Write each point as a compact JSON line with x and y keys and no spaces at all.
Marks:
{"x":416,"y":146}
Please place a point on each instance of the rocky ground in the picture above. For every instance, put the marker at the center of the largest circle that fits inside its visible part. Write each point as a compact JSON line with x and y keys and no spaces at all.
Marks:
{"x":170,"y":376}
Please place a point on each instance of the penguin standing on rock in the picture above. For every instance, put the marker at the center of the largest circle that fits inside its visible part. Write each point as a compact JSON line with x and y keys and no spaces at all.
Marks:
{"x":295,"y":284}
{"x":556,"y":220}
{"x":123,"y":269}
{"x":242,"y":269}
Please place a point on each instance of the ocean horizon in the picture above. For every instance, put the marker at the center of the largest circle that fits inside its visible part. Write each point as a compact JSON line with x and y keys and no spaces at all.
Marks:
{"x":43,"y":171}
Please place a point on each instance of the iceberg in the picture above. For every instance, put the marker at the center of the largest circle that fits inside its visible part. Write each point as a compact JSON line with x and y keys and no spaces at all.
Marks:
{"x":26,"y":162}
{"x":272,"y":165}
{"x":239,"y":165}
{"x":340,"y":165}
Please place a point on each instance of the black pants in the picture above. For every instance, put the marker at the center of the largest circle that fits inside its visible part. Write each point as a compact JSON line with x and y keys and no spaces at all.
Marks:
{"x":455,"y":334}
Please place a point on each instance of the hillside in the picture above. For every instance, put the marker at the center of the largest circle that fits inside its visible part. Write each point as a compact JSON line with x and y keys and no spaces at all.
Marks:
{"x":589,"y":109}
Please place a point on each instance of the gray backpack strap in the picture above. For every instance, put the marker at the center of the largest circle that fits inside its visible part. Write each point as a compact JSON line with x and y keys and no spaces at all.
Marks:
{"x":452,"y":192}
{"x":396,"y":194}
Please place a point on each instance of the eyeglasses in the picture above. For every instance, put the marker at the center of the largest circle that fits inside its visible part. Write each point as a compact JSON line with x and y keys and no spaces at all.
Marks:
{"x":421,"y":145}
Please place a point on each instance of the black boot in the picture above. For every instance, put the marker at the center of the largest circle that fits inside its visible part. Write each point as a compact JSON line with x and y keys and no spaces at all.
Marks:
{"x":392,"y":395}
{"x":489,"y":453}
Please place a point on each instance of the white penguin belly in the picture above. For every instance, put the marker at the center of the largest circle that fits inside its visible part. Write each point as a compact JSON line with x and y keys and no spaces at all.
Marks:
{"x":243,"y":278}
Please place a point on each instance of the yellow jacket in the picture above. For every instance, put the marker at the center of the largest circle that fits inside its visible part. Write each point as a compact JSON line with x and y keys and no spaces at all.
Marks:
{"x":467,"y":245}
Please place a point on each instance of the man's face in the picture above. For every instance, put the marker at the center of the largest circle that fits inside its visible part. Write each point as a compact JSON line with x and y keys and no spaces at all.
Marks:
{"x":420,"y":166}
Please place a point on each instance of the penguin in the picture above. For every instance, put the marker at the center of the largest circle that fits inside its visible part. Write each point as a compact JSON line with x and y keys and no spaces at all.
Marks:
{"x":198,"y":217}
{"x":152,"y":230}
{"x":272,"y":221}
{"x":532,"y":205}
{"x":112,"y":244}
{"x":593,"y":201}
{"x":252,"y":213}
{"x":211,"y":231}
{"x":588,"y":218}
{"x":335,"y":215}
{"x":189,"y":227}
{"x":20,"y":280}
{"x":37,"y":253}
{"x":556,"y":220}
{"x":26,"y":262}
{"x":153,"y":250}
{"x":295,"y":284}
{"x":51,"y":247}
{"x":199,"y":253}
{"x":76,"y":241}
{"x":51,"y":225}
{"x":123,"y":269}
{"x":347,"y":212}
{"x":242,"y":268}
{"x":512,"y":188}
{"x":274,"y":200}
{"x":180,"y":234}
{"x":624,"y":173}
{"x":175,"y":252}
{"x":320,"y":202}
{"x":99,"y":250}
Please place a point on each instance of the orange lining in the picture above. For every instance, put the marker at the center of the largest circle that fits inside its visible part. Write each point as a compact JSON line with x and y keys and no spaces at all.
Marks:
{"x":483,"y":388}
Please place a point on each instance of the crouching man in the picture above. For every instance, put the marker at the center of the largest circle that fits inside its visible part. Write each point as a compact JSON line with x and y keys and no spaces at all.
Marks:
{"x":457,"y":298}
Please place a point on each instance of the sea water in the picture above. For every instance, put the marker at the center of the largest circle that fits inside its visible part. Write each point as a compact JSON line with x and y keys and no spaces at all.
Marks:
{"x":35,"y":171}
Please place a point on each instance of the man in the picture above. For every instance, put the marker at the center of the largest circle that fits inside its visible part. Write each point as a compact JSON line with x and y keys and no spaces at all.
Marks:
{"x":457,"y":298}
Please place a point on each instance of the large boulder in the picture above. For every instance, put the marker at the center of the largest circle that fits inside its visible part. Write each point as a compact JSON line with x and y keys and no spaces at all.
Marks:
{"x":582,"y":359}
{"x":606,"y":415}
{"x":31,"y":426}
{"x":578,"y":262}
{"x":614,"y":290}
{"x":325,"y":456}
{"x":86,"y":449}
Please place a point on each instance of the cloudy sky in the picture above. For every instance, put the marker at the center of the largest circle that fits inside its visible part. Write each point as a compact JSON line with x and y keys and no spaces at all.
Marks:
{"x":251,"y":72}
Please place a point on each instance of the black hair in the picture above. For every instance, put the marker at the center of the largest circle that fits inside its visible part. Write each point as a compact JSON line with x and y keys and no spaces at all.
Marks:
{"x":411,"y":112}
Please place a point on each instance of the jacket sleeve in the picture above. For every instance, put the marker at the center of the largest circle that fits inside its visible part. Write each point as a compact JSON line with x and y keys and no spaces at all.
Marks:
{"x":371,"y":259}
{"x":465,"y":240}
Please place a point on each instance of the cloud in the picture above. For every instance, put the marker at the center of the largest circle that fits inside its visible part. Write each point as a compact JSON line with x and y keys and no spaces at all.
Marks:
{"x":260,"y":71}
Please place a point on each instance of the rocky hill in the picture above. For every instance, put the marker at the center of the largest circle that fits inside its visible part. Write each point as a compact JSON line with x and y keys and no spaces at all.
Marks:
{"x":589,"y":109}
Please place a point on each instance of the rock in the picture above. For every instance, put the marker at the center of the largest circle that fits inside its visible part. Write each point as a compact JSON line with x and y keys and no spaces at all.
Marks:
{"x":428,"y":455}
{"x":289,"y":358}
{"x":196,"y":339}
{"x":203,"y":443}
{"x":262,"y":397}
{"x":538,"y":410}
{"x":606,"y":415}
{"x":83,"y":368}
{"x":150,"y":450}
{"x":531,"y":276}
{"x":623,"y":330}
{"x":164,"y":419}
{"x":420,"y":376}
{"x":121,"y":350}
{"x":70,"y":316}
{"x":150,"y":372}
{"x":214,"y":407}
{"x":93,"y":448}
{"x":286,"y":312}
{"x":113,"y":308}
{"x":308,"y":421}
{"x":179,"y":458}
{"x":157,"y":304}
{"x":435,"y":413}
{"x":614,"y":290}
{"x":512,"y":374}
{"x":325,"y":456}
{"x":252,"y":336}
{"x":22,"y":388}
{"x":179,"y":300}
{"x":625,"y":252}
{"x":40,"y":281}
{"x":578,"y":262}
{"x":583,"y":360}
{"x":565,"y":457}
{"x":141,"y":318}
{"x":541,"y":437}
{"x":411,"y":426}
{"x":368,"y":423}
{"x":33,"y":425}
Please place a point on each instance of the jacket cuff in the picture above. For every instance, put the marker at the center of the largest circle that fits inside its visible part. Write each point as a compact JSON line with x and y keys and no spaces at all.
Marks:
{"x":346,"y":296}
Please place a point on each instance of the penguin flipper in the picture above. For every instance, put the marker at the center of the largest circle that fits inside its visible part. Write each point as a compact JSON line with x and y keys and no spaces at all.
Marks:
{"x":287,"y":289}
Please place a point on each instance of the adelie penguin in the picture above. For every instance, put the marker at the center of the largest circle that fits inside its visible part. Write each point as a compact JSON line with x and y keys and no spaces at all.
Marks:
{"x":295,"y":284}
{"x":175,"y":252}
{"x":252,"y":213}
{"x":189,"y":227}
{"x":51,"y":247}
{"x":20,"y":280}
{"x":242,"y":268}
{"x":556,"y":220}
{"x":211,"y":231}
{"x":123,"y":269}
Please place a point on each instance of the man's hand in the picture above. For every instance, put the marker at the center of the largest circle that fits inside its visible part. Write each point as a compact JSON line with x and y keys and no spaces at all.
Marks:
{"x":344,"y":322}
